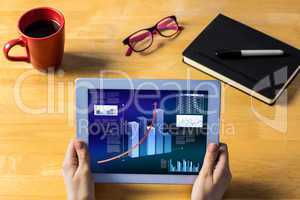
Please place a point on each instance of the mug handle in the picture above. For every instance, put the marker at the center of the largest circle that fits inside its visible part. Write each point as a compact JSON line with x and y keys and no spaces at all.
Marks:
{"x":19,"y":41}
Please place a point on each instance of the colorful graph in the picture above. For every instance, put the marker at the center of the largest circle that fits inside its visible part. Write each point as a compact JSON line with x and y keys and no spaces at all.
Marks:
{"x":134,"y":146}
{"x":157,"y":142}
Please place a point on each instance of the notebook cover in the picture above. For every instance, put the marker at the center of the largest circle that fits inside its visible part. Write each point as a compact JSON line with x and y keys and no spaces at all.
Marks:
{"x":265,"y":75}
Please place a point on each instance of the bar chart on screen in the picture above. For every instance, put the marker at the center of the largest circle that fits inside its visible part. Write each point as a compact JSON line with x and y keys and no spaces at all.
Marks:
{"x":183,"y":166}
{"x":157,"y":142}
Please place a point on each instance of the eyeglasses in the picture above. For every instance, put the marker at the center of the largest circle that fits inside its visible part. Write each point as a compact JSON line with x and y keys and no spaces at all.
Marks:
{"x":143,"y":39}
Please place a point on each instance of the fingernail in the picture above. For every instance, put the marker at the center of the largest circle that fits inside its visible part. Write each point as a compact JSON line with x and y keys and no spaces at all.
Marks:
{"x":79,"y":144}
{"x":212,"y":147}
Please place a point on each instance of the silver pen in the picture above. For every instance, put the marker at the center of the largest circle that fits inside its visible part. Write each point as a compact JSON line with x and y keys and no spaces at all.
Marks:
{"x":249,"y":53}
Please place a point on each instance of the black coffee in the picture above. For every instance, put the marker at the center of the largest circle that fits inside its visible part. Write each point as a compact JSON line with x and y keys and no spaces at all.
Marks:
{"x":41,"y":28}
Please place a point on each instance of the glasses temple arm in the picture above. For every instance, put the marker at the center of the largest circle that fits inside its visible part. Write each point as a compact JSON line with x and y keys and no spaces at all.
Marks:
{"x":128,"y":52}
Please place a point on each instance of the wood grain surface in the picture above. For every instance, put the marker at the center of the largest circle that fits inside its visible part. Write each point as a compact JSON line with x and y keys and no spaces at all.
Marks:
{"x":37,"y":110}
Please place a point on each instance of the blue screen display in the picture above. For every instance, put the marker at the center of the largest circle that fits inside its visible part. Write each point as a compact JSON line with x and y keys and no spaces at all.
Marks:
{"x":147,"y":131}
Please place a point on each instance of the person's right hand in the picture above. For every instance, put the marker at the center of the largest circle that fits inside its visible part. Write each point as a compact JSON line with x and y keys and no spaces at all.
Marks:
{"x":215,"y":176}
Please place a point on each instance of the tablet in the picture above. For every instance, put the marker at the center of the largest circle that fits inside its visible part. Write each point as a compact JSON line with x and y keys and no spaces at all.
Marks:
{"x":147,"y":131}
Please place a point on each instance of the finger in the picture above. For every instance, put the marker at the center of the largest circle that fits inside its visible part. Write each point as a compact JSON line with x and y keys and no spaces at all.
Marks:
{"x":82,"y":152}
{"x":210,"y":159}
{"x":70,"y":163}
{"x":223,"y":160}
{"x":222,"y":166}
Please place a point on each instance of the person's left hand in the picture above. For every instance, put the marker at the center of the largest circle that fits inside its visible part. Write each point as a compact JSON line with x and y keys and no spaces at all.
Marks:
{"x":76,"y":171}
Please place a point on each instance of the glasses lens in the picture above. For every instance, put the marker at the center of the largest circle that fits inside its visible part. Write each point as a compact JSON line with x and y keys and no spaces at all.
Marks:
{"x":167,"y":27}
{"x":141,"y":40}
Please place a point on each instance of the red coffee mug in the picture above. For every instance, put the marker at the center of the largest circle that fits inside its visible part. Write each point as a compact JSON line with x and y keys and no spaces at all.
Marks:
{"x":42,"y":52}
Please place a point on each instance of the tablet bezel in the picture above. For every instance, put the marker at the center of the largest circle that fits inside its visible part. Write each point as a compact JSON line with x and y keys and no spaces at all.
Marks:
{"x":214,"y":95}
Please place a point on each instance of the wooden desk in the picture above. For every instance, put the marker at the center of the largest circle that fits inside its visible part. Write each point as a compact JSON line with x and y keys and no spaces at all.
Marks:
{"x":265,"y":161}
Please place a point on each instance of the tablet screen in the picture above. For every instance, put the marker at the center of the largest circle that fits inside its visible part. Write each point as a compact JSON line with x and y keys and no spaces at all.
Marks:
{"x":147,"y":131}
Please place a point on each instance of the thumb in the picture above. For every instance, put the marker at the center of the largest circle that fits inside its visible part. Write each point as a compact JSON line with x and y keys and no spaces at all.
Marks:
{"x":210,"y":159}
{"x":82,"y":152}
{"x":70,"y":163}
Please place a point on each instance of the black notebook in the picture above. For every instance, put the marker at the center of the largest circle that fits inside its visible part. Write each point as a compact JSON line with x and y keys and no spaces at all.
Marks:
{"x":262,"y":77}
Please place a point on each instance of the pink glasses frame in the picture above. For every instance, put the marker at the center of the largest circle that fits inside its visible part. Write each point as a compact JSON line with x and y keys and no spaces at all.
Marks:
{"x":153,"y":30}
